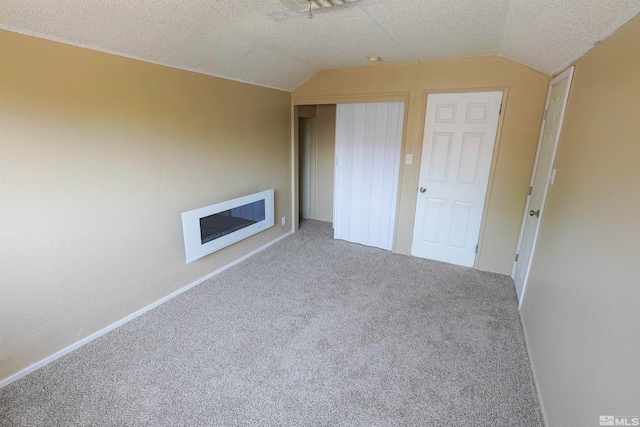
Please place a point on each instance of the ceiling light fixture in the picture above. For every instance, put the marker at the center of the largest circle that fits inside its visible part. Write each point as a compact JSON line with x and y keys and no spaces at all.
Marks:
{"x":310,"y":16}
{"x":373,"y":59}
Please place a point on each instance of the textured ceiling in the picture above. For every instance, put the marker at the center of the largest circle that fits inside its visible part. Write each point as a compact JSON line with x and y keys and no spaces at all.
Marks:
{"x":266,"y":43}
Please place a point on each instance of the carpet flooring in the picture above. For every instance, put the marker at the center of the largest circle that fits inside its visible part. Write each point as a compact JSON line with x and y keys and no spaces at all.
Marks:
{"x":309,"y":332}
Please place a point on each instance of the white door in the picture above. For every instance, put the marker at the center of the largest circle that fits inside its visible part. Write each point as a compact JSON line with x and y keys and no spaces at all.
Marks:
{"x":367,"y":171}
{"x":543,"y":174}
{"x":457,"y":149}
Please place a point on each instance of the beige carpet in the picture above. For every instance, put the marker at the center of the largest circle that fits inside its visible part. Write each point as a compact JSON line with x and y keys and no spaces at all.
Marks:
{"x":310,"y":332}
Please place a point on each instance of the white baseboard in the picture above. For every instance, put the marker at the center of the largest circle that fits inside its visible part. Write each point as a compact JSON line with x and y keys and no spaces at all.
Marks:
{"x":78,"y":344}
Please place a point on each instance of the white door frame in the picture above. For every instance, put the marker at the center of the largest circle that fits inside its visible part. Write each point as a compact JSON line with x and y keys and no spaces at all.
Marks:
{"x":567,"y":74}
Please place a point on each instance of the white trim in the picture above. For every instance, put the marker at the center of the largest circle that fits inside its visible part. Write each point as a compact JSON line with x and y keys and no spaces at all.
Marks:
{"x":26,"y":371}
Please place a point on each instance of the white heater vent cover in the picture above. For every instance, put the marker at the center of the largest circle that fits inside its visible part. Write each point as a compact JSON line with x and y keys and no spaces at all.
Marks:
{"x":303,"y":5}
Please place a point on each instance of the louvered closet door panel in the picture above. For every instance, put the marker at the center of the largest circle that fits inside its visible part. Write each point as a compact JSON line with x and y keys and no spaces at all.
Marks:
{"x":368,"y":146}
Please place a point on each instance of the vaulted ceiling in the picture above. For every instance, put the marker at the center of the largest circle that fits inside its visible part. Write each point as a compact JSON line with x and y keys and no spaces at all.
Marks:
{"x":265,"y":42}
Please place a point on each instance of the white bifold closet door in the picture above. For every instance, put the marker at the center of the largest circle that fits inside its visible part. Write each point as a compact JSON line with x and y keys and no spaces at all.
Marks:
{"x":367,"y":171}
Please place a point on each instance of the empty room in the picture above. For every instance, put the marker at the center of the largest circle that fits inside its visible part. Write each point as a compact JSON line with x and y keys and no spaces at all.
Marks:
{"x":319,"y":213}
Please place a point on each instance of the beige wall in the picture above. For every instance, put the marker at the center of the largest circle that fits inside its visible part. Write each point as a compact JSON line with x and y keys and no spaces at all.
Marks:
{"x":581,"y":308}
{"x":325,"y":154}
{"x":320,"y":124}
{"x":306,"y":162}
{"x":525,"y":93}
{"x":99,"y":155}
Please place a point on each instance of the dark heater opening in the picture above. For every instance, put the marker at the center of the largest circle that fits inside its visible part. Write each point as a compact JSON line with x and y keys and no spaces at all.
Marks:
{"x":217,"y":225}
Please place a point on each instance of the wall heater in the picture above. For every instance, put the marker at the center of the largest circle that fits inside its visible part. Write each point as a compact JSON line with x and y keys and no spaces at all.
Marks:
{"x":214,"y":227}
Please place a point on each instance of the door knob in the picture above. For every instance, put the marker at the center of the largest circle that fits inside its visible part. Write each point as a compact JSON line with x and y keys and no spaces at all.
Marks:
{"x":423,"y":190}
{"x":536,"y":213}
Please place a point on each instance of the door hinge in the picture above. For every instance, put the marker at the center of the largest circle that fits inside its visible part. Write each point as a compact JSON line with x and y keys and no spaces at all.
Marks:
{"x":500,"y":111}
{"x":516,"y":258}
{"x":545,"y":115}
{"x":476,"y":248}
{"x":530,"y":190}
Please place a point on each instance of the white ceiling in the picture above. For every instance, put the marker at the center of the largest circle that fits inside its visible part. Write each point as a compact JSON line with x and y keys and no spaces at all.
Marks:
{"x":264,"y":42}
